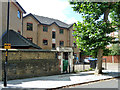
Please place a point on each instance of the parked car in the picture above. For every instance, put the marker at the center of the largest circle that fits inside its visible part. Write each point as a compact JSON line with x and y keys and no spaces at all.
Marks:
{"x":87,"y":59}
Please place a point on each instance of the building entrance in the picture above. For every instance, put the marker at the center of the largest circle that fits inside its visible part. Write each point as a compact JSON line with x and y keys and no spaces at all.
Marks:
{"x":65,"y":62}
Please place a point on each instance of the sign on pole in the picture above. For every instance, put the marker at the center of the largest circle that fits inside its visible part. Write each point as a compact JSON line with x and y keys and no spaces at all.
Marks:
{"x":7,"y":46}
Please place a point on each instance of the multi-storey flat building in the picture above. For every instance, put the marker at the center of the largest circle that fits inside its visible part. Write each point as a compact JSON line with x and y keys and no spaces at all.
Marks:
{"x":15,"y":16}
{"x":14,"y":35}
{"x":48,"y":33}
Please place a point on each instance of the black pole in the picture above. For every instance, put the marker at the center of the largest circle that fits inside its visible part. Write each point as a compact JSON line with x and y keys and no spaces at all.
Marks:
{"x":8,"y":21}
{"x":5,"y":71}
{"x":105,"y":64}
{"x":69,"y":68}
{"x":83,"y":65}
{"x":5,"y":64}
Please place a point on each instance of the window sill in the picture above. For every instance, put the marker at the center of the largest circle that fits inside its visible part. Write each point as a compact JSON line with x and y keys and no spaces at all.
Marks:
{"x":29,"y":30}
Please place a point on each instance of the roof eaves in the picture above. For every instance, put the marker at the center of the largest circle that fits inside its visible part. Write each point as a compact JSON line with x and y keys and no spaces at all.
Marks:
{"x":20,"y":36}
{"x":30,"y":14}
{"x":58,"y":25}
{"x":20,"y":7}
{"x":49,"y":24}
{"x":26,"y":41}
{"x":71,"y":25}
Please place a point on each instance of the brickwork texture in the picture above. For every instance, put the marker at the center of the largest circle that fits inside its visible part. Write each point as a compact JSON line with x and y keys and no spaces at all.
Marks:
{"x":28,"y":64}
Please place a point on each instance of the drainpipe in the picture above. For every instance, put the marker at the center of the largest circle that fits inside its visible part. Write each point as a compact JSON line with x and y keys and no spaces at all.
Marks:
{"x":22,"y":24}
{"x":37,"y":34}
{"x":69,"y":38}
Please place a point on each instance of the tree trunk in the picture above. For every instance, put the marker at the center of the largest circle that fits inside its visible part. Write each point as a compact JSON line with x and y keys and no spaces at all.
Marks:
{"x":98,"y":69}
{"x":100,"y":51}
{"x":106,"y":13}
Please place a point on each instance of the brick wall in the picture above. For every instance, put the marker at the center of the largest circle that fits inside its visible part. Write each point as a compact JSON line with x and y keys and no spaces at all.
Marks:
{"x":26,"y":64}
{"x":109,"y":59}
{"x":112,"y":59}
{"x":29,"y":54}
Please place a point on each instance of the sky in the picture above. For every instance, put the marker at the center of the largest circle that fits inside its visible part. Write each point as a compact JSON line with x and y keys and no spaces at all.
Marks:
{"x":57,"y":9}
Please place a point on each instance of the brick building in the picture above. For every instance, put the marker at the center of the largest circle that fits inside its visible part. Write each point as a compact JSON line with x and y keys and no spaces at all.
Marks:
{"x":15,"y":16}
{"x":45,"y":32}
{"x":48,"y":33}
{"x":15,"y":32}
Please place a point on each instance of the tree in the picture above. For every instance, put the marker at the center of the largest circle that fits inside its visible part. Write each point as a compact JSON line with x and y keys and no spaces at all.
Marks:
{"x":92,"y":34}
{"x":115,"y":49}
{"x":115,"y":15}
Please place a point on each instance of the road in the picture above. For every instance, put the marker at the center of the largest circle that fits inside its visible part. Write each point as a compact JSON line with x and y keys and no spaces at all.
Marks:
{"x":113,"y":83}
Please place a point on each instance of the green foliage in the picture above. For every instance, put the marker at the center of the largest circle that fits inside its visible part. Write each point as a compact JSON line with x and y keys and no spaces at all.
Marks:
{"x":92,"y":36}
{"x":90,"y":69}
{"x":115,"y":49}
{"x":76,"y":71}
{"x":85,"y":70}
{"x":92,"y":33}
{"x":115,"y":14}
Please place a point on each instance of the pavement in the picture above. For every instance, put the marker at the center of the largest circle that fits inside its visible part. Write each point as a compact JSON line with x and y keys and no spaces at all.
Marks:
{"x":60,"y":81}
{"x":111,"y":83}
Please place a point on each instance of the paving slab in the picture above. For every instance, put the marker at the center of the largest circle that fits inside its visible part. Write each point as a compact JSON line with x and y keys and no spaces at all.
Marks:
{"x":57,"y":81}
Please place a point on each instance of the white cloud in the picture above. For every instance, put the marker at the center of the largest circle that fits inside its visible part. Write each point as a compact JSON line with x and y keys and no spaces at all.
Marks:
{"x":48,"y":8}
{"x":71,"y":20}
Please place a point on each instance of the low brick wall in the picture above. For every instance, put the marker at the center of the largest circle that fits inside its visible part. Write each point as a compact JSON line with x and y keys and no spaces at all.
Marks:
{"x":81,"y":67}
{"x":109,"y":59}
{"x":27,"y":64}
{"x":112,"y":59}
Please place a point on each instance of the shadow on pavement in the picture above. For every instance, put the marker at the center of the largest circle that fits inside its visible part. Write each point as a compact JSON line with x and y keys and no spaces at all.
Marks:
{"x":64,"y":77}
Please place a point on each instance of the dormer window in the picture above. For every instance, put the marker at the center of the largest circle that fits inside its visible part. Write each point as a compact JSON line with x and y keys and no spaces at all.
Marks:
{"x":19,"y":14}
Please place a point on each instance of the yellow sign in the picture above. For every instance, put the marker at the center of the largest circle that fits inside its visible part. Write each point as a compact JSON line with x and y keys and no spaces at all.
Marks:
{"x":7,"y":46}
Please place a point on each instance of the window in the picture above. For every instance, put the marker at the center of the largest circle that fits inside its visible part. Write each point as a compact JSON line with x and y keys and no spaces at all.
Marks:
{"x":74,"y":45}
{"x":53,"y":46}
{"x":19,"y":32}
{"x":29,"y":26}
{"x":30,"y":39}
{"x":61,"y":43}
{"x":53,"y":35}
{"x":45,"y":29}
{"x":73,"y":33}
{"x":61,"y":31}
{"x":19,"y":14}
{"x":45,"y":42}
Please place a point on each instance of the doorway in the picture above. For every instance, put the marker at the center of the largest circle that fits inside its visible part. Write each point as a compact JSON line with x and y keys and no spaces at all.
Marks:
{"x":65,"y":62}
{"x":65,"y":55}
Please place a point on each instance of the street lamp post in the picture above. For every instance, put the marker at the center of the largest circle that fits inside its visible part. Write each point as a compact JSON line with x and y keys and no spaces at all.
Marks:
{"x":5,"y":64}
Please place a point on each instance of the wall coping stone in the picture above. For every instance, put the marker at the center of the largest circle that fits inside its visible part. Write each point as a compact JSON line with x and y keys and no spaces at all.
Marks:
{"x":30,"y":50}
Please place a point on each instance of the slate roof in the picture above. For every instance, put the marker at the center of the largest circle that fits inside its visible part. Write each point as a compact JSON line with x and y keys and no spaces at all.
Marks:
{"x":18,"y":40}
{"x":49,"y":21}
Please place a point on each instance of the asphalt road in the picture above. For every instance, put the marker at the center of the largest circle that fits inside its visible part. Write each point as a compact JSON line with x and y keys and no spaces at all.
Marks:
{"x":100,"y":84}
